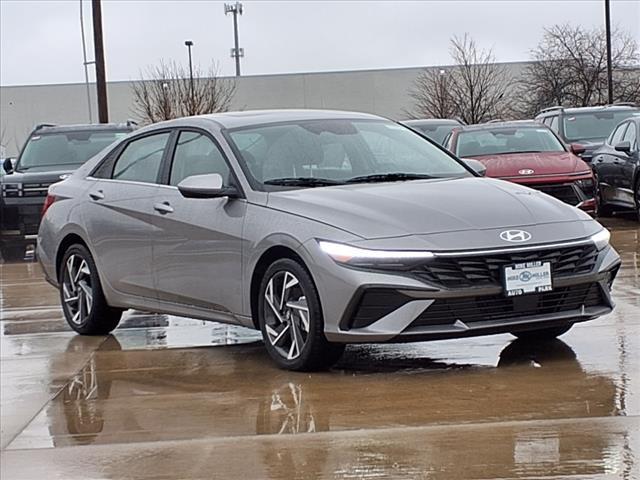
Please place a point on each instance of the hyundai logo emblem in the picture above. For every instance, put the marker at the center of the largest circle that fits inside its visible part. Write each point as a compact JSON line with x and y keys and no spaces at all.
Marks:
{"x":526,"y":171}
{"x":515,"y":236}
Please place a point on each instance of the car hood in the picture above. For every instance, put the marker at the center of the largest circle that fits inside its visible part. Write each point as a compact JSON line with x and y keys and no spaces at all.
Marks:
{"x":428,"y":207}
{"x":34,"y":176}
{"x":542,"y":163}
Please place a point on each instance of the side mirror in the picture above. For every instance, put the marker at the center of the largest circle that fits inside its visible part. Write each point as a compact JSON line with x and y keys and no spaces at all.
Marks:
{"x":623,"y":147}
{"x":476,"y":166}
{"x":577,"y":149}
{"x":7,"y":165}
{"x":206,"y":186}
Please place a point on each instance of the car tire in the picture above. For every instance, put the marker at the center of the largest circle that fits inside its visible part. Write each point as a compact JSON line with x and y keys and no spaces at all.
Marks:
{"x":291,"y":321}
{"x":542,"y":334}
{"x":604,"y":209}
{"x":83,"y":303}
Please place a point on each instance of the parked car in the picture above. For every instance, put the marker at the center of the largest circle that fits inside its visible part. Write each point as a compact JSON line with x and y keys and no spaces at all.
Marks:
{"x":436,"y":129}
{"x":588,"y":126}
{"x":50,"y":153}
{"x":617,"y":168}
{"x":319,"y":228}
{"x":530,"y":154}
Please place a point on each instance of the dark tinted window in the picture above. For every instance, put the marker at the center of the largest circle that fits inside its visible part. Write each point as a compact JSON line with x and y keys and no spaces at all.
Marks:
{"x":197,"y":154}
{"x":618,"y":133}
{"x":70,"y":149}
{"x":631,"y":136}
{"x":140,"y":160}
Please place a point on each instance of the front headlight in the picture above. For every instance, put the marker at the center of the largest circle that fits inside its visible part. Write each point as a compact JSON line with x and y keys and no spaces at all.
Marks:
{"x":601,"y":239}
{"x":364,"y":257}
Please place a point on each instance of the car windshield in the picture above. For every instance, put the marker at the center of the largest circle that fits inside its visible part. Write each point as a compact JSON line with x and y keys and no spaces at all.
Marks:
{"x":437,"y":133}
{"x":503,"y":140}
{"x":66,"y":150}
{"x":593,"y":125}
{"x":335,"y":151}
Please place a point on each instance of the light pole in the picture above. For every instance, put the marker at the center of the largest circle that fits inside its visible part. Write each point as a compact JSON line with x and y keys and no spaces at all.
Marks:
{"x":101,"y":76}
{"x":607,"y":20}
{"x":236,"y":52}
{"x":189,"y":44}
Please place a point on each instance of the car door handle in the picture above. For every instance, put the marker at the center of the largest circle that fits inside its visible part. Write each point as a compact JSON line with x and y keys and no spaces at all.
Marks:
{"x":97,"y":195}
{"x":163,"y":208}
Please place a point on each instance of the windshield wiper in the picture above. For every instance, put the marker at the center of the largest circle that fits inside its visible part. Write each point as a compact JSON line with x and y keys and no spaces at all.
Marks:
{"x":389,"y":177}
{"x":303,"y":182}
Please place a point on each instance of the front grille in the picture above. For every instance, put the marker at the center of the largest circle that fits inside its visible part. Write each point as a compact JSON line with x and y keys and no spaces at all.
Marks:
{"x":486,"y":270}
{"x":35,"y":189}
{"x":446,"y":311}
{"x":567,"y":193}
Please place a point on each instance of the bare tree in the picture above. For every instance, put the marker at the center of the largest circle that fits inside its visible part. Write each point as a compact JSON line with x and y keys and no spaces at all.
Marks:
{"x":165,"y":91}
{"x":570,"y":68}
{"x":475,"y":89}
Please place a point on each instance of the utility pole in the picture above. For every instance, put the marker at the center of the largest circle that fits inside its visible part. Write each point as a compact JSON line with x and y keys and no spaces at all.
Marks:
{"x":607,"y":19}
{"x":189,"y":44}
{"x":85,"y":63}
{"x":101,"y":78}
{"x":236,"y":52}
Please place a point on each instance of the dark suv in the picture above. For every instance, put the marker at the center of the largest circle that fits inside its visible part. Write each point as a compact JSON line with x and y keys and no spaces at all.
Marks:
{"x":50,"y":153}
{"x":588,"y":126}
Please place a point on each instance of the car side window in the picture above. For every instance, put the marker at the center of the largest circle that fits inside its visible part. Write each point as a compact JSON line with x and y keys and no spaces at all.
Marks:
{"x":553,"y":124}
{"x":631,"y":136}
{"x":197,"y":154}
{"x":140,"y":160}
{"x":618,"y":133}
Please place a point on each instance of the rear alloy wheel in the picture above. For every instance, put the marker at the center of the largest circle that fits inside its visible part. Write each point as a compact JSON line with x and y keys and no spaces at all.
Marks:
{"x":542,"y":334}
{"x":291,"y":319}
{"x":83,"y":302}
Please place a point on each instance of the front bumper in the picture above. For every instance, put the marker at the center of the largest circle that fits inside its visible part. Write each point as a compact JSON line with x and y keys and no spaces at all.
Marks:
{"x":20,"y":219}
{"x":385,"y":307}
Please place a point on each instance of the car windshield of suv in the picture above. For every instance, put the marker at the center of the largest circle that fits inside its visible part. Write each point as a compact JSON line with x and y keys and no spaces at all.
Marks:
{"x":66,"y":150}
{"x":437,"y":133}
{"x":476,"y":143}
{"x":593,"y":125}
{"x":329,"y":152}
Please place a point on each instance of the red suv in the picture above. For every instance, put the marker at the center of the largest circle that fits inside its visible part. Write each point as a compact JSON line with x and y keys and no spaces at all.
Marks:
{"x":528,"y":153}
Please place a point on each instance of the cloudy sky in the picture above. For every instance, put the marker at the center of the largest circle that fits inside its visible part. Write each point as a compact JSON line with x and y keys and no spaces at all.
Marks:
{"x":41,"y":43}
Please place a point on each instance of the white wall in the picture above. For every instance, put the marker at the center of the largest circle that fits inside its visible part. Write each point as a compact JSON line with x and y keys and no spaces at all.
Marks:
{"x":382,"y":92}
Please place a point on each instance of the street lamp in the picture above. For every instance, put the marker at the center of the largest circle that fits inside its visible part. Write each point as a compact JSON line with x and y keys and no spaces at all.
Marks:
{"x":189,"y":44}
{"x":236,"y":52}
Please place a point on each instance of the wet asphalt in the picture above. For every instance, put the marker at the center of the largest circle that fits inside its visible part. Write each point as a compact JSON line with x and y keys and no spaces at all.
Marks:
{"x":168,"y":397}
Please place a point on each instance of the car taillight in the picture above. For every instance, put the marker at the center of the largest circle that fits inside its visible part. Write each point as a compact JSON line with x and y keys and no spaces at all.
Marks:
{"x":47,"y":203}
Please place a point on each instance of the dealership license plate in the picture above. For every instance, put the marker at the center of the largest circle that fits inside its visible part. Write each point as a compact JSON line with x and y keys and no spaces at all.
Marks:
{"x":530,"y":277}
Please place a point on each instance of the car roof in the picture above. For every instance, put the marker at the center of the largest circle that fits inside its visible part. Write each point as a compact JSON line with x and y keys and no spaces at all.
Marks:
{"x":46,"y":128}
{"x":499,"y":125}
{"x":432,"y":121}
{"x":599,"y":108}
{"x":260,"y":117}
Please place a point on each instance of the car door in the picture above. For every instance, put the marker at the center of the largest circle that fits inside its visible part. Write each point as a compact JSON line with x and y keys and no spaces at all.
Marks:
{"x":119,"y":214}
{"x":198,"y":249}
{"x":605,"y":164}
{"x":629,"y":163}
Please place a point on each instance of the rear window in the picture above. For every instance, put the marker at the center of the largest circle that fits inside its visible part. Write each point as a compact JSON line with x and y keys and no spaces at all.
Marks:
{"x":507,"y":140}
{"x":593,"y":125}
{"x":66,"y":150}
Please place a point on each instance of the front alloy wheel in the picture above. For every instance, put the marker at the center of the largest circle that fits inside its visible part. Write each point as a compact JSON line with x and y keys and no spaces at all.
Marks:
{"x":286,"y":315}
{"x":290,"y":318}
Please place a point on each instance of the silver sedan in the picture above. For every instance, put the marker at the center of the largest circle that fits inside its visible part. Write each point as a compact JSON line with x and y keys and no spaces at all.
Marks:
{"x":320,"y":229}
